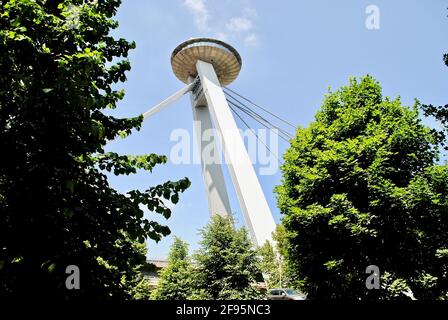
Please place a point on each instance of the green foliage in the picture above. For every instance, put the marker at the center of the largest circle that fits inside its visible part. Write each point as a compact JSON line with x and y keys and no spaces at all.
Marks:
{"x":141,"y":290}
{"x":224,"y":268}
{"x":175,"y":281}
{"x":281,"y":243}
{"x":270,"y":266}
{"x":226,"y":265}
{"x":59,"y":68}
{"x":360,"y":187}
{"x":272,"y":262}
{"x":138,"y":287}
{"x":440,"y":113}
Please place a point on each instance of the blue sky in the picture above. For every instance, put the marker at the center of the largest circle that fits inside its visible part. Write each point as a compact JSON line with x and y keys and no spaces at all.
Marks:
{"x":292,"y":52}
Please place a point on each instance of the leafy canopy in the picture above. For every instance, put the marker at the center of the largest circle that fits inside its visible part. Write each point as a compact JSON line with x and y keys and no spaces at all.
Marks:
{"x":272,"y":261}
{"x":59,"y":70}
{"x":361,"y":187}
{"x":226,"y":264}
{"x":440,"y":113}
{"x":175,"y":282}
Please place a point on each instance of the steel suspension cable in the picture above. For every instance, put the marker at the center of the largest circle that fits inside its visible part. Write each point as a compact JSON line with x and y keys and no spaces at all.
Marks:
{"x":264,"y":109}
{"x":284,"y":136}
{"x":254,"y":133}
{"x":255,"y":114}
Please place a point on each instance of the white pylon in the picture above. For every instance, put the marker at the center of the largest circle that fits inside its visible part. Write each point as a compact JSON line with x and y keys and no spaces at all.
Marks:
{"x":215,"y":64}
{"x":256,"y":211}
{"x":215,"y":187}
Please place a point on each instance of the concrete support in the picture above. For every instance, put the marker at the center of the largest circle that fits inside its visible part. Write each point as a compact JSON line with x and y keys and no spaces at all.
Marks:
{"x":218,"y":199}
{"x":257,"y":215}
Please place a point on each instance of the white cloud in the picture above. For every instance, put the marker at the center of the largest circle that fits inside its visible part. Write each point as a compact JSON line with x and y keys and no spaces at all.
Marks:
{"x":239,"y":24}
{"x":239,"y":27}
{"x":251,"y":40}
{"x":200,"y":12}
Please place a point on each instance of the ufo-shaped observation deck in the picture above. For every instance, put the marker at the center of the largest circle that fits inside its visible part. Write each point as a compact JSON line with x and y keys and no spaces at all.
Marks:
{"x":224,"y":58}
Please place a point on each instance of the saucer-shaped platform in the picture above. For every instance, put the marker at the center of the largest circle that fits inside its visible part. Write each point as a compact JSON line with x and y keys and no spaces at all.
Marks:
{"x":224,"y":58}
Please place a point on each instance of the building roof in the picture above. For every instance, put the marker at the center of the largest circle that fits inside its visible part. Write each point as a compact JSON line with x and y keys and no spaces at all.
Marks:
{"x":158,"y":263}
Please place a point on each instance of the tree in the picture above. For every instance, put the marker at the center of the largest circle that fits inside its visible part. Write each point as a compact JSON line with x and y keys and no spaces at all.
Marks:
{"x":59,"y":68}
{"x":175,"y":282}
{"x":270,"y":266}
{"x":139,"y":287}
{"x":272,"y":262}
{"x":360,"y":187}
{"x":226,"y":264}
{"x":440,"y":113}
{"x":281,"y":242}
{"x":141,"y":290}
